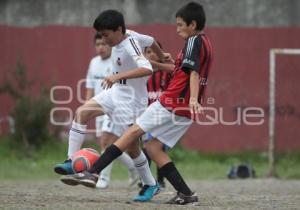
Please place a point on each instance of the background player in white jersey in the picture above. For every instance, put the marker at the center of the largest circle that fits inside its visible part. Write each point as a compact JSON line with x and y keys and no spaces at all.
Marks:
{"x":99,"y":68}
{"x":125,"y":99}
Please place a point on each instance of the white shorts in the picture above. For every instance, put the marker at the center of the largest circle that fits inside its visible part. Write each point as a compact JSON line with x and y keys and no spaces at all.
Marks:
{"x":104,"y":124}
{"x":120,"y":108}
{"x":163,"y":124}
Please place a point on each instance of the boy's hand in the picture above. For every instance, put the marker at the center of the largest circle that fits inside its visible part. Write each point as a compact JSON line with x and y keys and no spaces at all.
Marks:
{"x":168,"y":58}
{"x":195,"y":107}
{"x":109,"y":81}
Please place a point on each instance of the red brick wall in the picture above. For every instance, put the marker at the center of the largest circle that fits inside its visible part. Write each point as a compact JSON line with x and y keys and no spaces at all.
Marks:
{"x":239,"y":76}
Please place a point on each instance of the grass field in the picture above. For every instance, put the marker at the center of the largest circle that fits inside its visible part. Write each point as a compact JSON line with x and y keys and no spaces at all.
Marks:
{"x":192,"y":164}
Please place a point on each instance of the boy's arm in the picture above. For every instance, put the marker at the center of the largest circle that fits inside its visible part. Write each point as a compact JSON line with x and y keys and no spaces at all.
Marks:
{"x":191,"y":64}
{"x":157,"y":50}
{"x":168,"y":67}
{"x":135,"y":73}
{"x":163,"y":56}
{"x":143,"y":69}
{"x":149,"y":41}
{"x":194,"y":90}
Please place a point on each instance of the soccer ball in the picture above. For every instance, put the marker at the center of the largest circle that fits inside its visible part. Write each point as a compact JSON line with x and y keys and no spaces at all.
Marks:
{"x":84,"y":159}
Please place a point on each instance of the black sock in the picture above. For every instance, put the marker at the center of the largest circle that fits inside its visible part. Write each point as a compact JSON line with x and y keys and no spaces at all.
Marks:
{"x":160,"y":177}
{"x":147,"y":156}
{"x":172,"y":175}
{"x":111,"y":153}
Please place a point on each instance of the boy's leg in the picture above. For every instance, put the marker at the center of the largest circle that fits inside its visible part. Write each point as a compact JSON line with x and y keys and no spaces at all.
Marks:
{"x":150,"y":186}
{"x":110,"y":154}
{"x":160,"y":177}
{"x":106,"y":140}
{"x":141,"y":164}
{"x":146,"y":137}
{"x":130,"y":136}
{"x":104,"y":176}
{"x":128,"y":140}
{"x":168,"y":170}
{"x":147,"y":156}
{"x":84,"y":113}
{"x":115,"y":130}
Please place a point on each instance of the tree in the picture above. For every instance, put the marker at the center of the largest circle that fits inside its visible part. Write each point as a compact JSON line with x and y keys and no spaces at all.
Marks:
{"x":31,"y":112}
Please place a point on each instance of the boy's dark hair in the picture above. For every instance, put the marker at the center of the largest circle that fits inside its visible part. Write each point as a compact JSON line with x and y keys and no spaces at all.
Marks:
{"x":97,"y":36}
{"x":110,"y":20}
{"x":192,"y":11}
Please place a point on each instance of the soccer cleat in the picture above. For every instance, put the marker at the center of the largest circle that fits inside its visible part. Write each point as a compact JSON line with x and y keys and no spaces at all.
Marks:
{"x":64,"y":168}
{"x":133,"y":177}
{"x":147,"y":193}
{"x":70,"y":180}
{"x":102,"y":183}
{"x":181,"y":199}
{"x":85,"y":178}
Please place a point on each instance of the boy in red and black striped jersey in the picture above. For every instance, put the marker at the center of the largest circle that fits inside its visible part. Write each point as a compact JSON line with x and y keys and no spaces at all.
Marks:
{"x":169,"y":118}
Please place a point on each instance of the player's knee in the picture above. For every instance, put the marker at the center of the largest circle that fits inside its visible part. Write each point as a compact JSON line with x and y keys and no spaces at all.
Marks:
{"x":133,"y":151}
{"x":82,"y":114}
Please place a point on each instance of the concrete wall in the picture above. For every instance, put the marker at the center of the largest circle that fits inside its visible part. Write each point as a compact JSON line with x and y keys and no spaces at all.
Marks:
{"x":228,"y":13}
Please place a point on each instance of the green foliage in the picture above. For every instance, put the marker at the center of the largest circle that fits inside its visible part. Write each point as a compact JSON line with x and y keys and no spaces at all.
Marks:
{"x":191,"y":164}
{"x":199,"y":165}
{"x":31,"y":112}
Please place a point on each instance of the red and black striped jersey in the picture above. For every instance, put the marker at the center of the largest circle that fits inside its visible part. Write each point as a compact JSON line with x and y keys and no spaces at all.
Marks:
{"x":157,"y":83}
{"x":195,"y":56}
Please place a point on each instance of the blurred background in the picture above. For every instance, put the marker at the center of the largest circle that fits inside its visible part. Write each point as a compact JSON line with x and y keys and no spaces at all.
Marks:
{"x":46,"y":44}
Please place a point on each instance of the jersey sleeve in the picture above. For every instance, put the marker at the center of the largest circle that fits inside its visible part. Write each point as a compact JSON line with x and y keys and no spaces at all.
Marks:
{"x":191,"y":57}
{"x":89,"y":83}
{"x":135,"y":51}
{"x":144,"y":40}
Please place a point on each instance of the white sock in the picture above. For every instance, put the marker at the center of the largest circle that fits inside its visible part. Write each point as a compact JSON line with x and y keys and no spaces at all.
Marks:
{"x":76,"y":138}
{"x":142,"y":166}
{"x":126,"y":160}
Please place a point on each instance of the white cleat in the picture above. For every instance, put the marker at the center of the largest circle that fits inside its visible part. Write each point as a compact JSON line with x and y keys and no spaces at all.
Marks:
{"x":102,"y":183}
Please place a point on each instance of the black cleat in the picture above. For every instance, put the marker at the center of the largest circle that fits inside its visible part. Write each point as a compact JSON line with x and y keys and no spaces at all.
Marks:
{"x":85,"y":178}
{"x":181,"y":199}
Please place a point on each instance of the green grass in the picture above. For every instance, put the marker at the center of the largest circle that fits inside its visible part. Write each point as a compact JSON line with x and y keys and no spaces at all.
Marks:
{"x":192,"y":164}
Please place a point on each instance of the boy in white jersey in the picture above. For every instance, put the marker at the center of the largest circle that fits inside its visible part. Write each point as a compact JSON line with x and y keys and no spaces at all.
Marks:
{"x":125,"y":99}
{"x":106,"y":132}
{"x":169,"y":118}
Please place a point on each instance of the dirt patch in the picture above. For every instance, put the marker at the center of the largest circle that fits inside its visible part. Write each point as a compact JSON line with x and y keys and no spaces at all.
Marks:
{"x":221,"y":194}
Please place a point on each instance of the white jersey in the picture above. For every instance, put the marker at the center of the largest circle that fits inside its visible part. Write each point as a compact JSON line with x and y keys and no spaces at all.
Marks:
{"x":98,"y":70}
{"x":126,"y":56}
{"x":144,"y":40}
